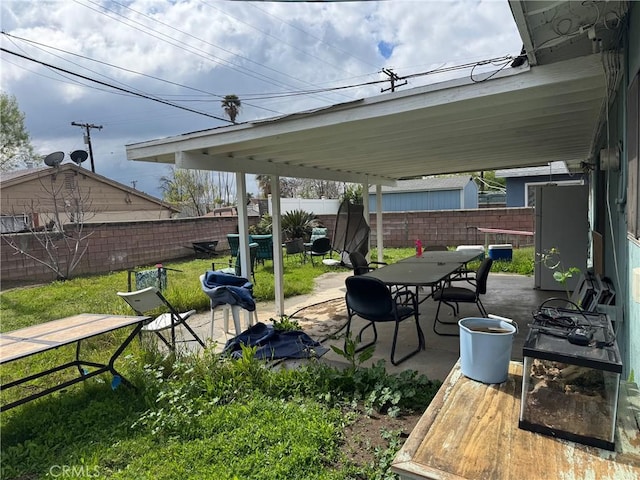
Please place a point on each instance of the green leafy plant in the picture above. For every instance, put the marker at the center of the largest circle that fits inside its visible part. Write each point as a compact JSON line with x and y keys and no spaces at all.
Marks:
{"x":354,"y":358}
{"x":285,"y":324}
{"x":263,"y":227}
{"x":552,"y":260}
{"x":298,"y":224}
{"x":380,"y":469}
{"x":353,"y":193}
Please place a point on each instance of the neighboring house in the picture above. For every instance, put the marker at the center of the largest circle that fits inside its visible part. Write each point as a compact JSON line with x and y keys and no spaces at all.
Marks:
{"x":521,"y":182}
{"x":433,"y":193}
{"x":27,"y":198}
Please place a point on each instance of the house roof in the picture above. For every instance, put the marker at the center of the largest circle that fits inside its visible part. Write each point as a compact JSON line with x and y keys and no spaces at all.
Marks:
{"x":554,"y":168}
{"x":456,"y":182}
{"x":16,"y":177}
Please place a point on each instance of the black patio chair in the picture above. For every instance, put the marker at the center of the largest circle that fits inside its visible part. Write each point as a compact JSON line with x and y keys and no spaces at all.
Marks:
{"x":452,"y":296}
{"x":360,"y":264}
{"x":150,"y":277}
{"x":321,"y":247}
{"x":295,"y":247}
{"x":371,"y":300}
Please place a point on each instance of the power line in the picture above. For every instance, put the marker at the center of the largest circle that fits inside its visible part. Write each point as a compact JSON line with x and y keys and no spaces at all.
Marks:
{"x":498,"y":61}
{"x":186,"y":47}
{"x":125,"y":70}
{"x":147,"y":97}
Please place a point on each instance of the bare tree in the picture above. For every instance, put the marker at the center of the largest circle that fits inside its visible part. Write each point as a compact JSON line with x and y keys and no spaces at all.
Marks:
{"x":56,"y":222}
{"x":191,"y":190}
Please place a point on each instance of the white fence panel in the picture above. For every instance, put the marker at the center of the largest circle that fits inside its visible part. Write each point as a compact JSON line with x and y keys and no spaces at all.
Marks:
{"x":319,"y":206}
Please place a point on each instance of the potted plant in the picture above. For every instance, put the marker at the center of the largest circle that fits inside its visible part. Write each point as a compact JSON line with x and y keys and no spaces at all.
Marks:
{"x":296,"y":228}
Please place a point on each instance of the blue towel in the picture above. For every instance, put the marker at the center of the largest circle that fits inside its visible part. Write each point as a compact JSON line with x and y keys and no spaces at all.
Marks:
{"x":228,"y":289}
{"x":275,"y":344}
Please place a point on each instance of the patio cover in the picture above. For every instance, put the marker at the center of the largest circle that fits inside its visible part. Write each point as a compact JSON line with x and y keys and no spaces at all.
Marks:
{"x":521,"y":116}
{"x":518,"y":117}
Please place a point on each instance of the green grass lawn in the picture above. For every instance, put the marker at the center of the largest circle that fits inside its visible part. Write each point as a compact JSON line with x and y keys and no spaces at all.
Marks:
{"x":194,"y":417}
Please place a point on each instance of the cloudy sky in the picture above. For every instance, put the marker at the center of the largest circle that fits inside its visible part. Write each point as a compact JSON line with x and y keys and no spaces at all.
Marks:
{"x":104,"y":62}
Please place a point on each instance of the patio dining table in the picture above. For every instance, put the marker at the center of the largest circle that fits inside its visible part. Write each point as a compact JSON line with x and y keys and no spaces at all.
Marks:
{"x":429,"y":269}
{"x":415,"y":274}
{"x":47,"y":336}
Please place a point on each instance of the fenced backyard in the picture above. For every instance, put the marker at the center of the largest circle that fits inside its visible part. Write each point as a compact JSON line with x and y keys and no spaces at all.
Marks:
{"x":117,"y":246}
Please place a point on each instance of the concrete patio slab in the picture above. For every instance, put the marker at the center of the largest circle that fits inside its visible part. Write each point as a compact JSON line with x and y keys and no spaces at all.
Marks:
{"x":511,"y":296}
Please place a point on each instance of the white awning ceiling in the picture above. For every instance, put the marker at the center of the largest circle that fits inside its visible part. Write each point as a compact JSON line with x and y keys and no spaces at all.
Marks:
{"x":520,"y":117}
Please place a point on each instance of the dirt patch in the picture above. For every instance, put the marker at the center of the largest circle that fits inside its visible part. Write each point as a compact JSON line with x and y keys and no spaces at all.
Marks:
{"x":323,"y":319}
{"x":364,"y":437}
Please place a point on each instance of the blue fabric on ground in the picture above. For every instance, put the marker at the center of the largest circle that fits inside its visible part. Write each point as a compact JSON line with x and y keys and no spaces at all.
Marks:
{"x":275,"y":344}
{"x":228,"y":289}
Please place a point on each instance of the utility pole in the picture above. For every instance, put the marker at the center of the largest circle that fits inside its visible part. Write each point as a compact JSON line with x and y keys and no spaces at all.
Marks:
{"x":393,"y":78}
{"x":87,"y":138}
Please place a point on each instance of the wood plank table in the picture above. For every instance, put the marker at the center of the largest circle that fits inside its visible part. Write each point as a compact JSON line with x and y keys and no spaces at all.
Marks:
{"x":47,"y":336}
{"x":470,"y":431}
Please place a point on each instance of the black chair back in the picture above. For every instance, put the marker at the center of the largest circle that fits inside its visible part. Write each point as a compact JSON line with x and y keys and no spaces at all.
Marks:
{"x":369,"y":298}
{"x":482,"y":274}
{"x":321,"y":245}
{"x":359,"y":263}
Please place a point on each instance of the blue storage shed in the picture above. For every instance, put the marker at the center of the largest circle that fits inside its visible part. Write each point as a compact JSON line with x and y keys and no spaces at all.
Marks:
{"x":521,"y":182}
{"x":433,"y":193}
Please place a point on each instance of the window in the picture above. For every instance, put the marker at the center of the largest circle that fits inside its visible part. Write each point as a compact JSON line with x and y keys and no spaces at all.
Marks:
{"x":13,"y":223}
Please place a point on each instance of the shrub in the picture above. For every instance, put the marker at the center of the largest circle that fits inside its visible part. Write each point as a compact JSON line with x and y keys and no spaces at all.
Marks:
{"x":298,"y":224}
{"x":263,"y":227}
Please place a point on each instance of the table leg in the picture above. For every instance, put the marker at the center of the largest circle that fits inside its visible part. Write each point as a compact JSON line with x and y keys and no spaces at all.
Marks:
{"x":119,"y":351}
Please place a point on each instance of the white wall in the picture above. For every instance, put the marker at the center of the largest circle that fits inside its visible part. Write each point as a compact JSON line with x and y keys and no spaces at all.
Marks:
{"x":318,"y":206}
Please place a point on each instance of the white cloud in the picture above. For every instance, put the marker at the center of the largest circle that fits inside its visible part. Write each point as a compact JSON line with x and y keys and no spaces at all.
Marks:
{"x":220,"y":47}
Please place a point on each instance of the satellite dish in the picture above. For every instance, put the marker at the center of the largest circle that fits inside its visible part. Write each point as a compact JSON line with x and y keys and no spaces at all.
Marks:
{"x":54,"y":159}
{"x":79,"y":156}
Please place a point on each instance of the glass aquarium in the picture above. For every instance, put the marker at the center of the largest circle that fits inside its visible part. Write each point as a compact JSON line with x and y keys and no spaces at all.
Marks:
{"x":571,"y":377}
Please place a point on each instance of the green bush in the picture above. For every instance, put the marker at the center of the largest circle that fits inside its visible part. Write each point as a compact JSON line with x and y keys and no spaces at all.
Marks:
{"x":209,"y":416}
{"x":263,"y":227}
{"x":298,"y":224}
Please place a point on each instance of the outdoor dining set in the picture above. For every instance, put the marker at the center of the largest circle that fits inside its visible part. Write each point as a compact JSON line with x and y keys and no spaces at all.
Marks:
{"x":390,"y":293}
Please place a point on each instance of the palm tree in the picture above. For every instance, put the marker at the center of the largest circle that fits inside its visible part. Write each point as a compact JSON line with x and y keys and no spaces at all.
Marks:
{"x":231,"y":105}
{"x":264,"y":184}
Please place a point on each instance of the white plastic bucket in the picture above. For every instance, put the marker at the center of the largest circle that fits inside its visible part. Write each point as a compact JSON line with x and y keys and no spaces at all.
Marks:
{"x":485,"y":348}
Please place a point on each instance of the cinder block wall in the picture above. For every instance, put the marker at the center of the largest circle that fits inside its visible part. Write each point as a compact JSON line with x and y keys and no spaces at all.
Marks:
{"x":117,"y":246}
{"x":448,"y":227}
{"x":120,"y":245}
